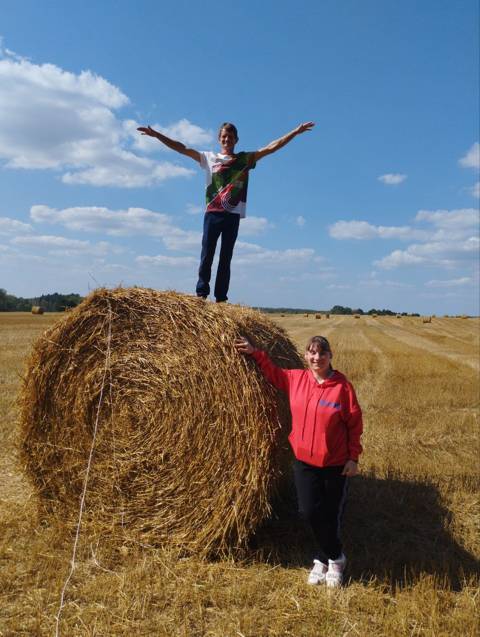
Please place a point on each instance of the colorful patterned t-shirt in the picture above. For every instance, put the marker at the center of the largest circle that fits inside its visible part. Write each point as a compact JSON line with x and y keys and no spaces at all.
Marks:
{"x":227,"y":181}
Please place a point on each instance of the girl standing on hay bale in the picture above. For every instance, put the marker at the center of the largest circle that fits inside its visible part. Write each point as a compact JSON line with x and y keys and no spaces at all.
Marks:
{"x":325,"y":438}
{"x":226,"y":197}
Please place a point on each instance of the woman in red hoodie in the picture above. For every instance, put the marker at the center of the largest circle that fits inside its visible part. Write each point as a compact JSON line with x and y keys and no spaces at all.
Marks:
{"x":325,"y":438}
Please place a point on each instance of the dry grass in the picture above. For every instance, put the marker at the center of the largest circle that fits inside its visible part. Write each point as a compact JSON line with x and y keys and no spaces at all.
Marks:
{"x":411,"y":529}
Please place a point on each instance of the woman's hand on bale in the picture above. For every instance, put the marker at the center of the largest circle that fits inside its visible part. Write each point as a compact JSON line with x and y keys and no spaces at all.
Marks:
{"x":243,"y":346}
{"x":350,"y":469}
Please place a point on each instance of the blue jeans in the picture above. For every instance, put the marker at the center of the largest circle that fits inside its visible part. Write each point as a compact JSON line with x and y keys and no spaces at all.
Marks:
{"x":216,"y":224}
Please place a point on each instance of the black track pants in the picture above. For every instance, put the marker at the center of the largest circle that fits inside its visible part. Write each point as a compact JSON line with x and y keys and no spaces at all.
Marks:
{"x":321,"y":494}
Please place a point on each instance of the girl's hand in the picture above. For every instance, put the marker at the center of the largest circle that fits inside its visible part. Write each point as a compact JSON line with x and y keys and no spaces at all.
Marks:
{"x":350,"y":469}
{"x":243,"y":346}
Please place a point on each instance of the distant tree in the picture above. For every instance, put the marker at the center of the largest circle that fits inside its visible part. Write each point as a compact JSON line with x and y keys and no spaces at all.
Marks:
{"x":339,"y":309}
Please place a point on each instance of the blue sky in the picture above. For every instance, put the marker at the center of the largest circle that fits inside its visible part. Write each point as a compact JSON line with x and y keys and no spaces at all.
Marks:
{"x":376,"y":207}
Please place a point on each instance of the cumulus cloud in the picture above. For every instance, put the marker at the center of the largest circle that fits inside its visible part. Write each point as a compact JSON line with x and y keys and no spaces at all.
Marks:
{"x":251,"y":254}
{"x":472,"y":157}
{"x":450,"y":283}
{"x":164,"y":261}
{"x":253,"y":226}
{"x":194,"y":209}
{"x":183,"y":131}
{"x":119,"y":223}
{"x":392,"y":179}
{"x":450,"y":237}
{"x":12,"y":226}
{"x":56,"y":245}
{"x":363,"y":230}
{"x":51,"y":118}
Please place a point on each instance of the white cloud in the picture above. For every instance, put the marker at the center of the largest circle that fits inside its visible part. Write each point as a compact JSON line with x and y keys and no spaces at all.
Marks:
{"x":463,"y":218}
{"x":253,"y":226}
{"x":251,"y":254}
{"x":398,"y":258}
{"x":472,"y":158}
{"x":364,"y":230}
{"x":450,"y":283}
{"x":392,"y":179}
{"x":63,"y":246}
{"x":119,"y":223}
{"x":475,"y":190}
{"x":194,"y":209}
{"x":161,"y":260}
{"x":53,"y":119}
{"x":12,"y":226}
{"x":183,"y":131}
{"x":451,"y":237}
{"x":300,"y":221}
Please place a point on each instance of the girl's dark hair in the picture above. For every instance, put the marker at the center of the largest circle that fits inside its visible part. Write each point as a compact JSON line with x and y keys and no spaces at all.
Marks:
{"x":320,"y":342}
{"x":230,"y":127}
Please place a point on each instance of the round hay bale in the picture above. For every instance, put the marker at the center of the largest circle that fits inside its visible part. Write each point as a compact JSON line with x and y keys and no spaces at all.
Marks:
{"x":37,"y":309}
{"x":318,"y":316}
{"x":190,"y":437}
{"x":357,"y":316}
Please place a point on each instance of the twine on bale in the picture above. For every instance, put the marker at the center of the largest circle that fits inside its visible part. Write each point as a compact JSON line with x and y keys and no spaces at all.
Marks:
{"x":85,"y":482}
{"x":197,"y":436}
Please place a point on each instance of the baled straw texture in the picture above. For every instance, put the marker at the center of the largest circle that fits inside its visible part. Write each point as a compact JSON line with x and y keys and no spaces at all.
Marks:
{"x":190,"y":437}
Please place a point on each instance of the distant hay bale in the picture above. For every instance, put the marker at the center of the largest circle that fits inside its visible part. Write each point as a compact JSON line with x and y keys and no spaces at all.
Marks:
{"x":327,"y":315}
{"x":357,"y":316}
{"x":190,"y":435}
{"x":37,"y":309}
{"x":398,"y":316}
{"x":375,"y":315}
{"x":427,"y":319}
{"x":318,"y":316}
{"x":305,"y":315}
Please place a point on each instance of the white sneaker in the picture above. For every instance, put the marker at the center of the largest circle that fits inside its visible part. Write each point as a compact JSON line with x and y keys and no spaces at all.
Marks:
{"x":334,"y":575}
{"x":318,"y":573}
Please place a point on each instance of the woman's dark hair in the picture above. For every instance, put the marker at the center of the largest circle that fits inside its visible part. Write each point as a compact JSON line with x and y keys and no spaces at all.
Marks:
{"x":230,"y":127}
{"x":320,"y":342}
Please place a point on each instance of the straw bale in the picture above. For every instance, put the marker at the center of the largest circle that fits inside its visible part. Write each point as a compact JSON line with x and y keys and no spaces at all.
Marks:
{"x":356,"y":316}
{"x":37,"y":309}
{"x":427,"y":319}
{"x":191,"y":438}
{"x":318,"y":316}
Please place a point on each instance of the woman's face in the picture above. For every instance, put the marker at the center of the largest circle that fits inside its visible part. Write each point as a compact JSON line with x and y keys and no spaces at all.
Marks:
{"x":318,"y":360}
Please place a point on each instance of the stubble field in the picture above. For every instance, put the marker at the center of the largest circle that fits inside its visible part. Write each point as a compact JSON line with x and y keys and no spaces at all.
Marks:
{"x":410,"y":530}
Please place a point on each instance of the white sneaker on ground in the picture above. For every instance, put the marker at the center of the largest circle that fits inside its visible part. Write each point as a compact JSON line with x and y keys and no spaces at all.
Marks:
{"x":318,"y":573}
{"x":334,"y":575}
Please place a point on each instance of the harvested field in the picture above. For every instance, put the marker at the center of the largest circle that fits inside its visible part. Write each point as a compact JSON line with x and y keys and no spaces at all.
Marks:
{"x":411,"y":527}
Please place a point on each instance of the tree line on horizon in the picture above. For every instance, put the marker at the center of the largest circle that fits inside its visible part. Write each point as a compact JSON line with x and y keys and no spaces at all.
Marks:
{"x":59,"y":302}
{"x":49,"y":302}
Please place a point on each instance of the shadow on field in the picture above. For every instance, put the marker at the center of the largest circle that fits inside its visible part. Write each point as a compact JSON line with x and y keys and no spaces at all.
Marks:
{"x":393,"y":530}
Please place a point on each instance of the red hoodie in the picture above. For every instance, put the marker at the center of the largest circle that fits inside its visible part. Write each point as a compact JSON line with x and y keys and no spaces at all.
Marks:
{"x":326,"y":417}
